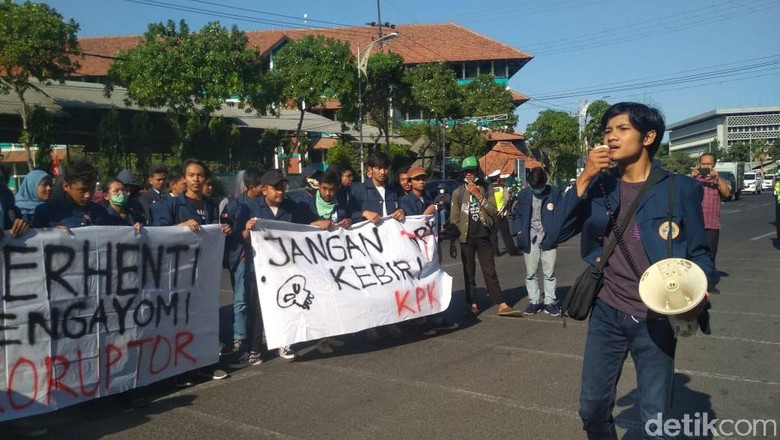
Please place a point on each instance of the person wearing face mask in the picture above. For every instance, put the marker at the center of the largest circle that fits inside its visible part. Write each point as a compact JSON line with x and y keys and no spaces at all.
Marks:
{"x":532,"y":222}
{"x":116,"y":197}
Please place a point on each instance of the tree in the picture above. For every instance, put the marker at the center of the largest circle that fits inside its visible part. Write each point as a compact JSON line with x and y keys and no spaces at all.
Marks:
{"x":434,"y":89}
{"x":109,"y":134}
{"x":678,"y":162}
{"x":190,"y":74}
{"x":35,"y":42}
{"x":467,"y":140}
{"x":484,"y":96}
{"x":343,"y":155}
{"x":385,"y":72}
{"x":774,"y":150}
{"x":556,"y":134}
{"x":142,"y":142}
{"x":737,"y":152}
{"x":592,"y":133}
{"x":41,"y":133}
{"x":311,"y":71}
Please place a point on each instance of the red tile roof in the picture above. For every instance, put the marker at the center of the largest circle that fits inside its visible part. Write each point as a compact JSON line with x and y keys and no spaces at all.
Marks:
{"x":501,"y":136}
{"x":417,"y":43}
{"x":502,"y":157}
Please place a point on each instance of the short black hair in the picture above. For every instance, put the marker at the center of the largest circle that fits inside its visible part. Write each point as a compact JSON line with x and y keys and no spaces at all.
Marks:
{"x":80,"y":170}
{"x":343,"y":169}
{"x":252,"y":176}
{"x":537,"y":178}
{"x":107,"y":184}
{"x":378,"y":159}
{"x":644,"y":118}
{"x":174,"y":175}
{"x":331,"y":177}
{"x":198,"y":162}
{"x":157,"y":169}
{"x":714,"y":159}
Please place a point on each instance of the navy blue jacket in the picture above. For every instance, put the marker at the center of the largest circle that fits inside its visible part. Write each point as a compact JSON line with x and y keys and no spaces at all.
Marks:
{"x":289,"y":210}
{"x":175,"y":210}
{"x":8,"y":203}
{"x":412,"y":205}
{"x":236,"y":214}
{"x":366,"y":198}
{"x":308,"y":209}
{"x":521,"y":218}
{"x":588,"y":214}
{"x":61,"y":211}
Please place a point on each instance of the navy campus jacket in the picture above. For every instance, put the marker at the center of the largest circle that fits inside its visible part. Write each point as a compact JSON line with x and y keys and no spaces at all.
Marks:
{"x":588,"y":215}
{"x":61,"y":211}
{"x":9,"y":210}
{"x":308,"y":209}
{"x":175,"y":210}
{"x":413,"y":205}
{"x":236,"y":214}
{"x":367,"y":198}
{"x":521,"y":218}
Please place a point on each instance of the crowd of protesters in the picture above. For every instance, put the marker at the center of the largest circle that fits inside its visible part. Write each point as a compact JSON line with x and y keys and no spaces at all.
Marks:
{"x":529,"y":221}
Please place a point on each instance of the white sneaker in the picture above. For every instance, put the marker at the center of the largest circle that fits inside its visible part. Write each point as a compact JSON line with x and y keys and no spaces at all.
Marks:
{"x":286,"y":353}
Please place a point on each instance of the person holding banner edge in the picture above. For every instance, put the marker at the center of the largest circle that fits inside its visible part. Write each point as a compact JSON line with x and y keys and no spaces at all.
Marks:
{"x":191,"y":210}
{"x":620,"y":323}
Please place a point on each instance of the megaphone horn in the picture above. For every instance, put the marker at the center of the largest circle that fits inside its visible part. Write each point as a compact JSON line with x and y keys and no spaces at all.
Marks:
{"x":673,"y":286}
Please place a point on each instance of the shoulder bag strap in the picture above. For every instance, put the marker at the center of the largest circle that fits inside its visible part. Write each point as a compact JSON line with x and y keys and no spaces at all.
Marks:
{"x":669,"y":218}
{"x":610,"y":247}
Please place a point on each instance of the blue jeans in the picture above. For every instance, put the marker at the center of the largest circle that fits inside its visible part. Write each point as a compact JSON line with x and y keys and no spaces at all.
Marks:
{"x":239,"y":301}
{"x":612,"y":335}
{"x":532,"y":260}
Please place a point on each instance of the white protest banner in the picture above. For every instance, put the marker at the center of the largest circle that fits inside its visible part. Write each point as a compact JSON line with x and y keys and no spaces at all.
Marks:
{"x":314,"y":283}
{"x":102,"y":310}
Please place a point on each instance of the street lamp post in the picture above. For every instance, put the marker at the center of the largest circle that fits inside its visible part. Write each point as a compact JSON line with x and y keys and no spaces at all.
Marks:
{"x":362,"y":64}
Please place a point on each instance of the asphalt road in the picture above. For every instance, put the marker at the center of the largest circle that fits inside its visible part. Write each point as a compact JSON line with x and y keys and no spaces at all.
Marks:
{"x":493,"y":378}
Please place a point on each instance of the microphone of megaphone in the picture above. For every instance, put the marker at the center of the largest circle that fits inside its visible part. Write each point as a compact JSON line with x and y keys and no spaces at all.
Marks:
{"x":672,"y":287}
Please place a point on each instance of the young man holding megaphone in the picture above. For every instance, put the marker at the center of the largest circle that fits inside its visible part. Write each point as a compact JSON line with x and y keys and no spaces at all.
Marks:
{"x":612,"y":181}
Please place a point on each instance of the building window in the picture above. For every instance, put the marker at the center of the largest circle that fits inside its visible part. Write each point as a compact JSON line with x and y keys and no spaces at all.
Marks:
{"x":486,"y":68}
{"x":471,"y":70}
{"x":499,"y":69}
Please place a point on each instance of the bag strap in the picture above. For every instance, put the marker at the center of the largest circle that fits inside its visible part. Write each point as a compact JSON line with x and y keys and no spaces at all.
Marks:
{"x":669,"y":219}
{"x":618,"y":229}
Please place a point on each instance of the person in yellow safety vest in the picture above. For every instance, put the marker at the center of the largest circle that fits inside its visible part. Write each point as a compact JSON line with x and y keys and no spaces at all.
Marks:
{"x":501,"y":194}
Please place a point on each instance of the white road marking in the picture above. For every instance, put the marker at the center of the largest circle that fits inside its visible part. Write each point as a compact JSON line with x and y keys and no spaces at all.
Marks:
{"x":764,"y":236}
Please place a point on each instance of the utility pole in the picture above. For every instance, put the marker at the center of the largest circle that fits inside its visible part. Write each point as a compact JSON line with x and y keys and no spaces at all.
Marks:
{"x":379,"y":20}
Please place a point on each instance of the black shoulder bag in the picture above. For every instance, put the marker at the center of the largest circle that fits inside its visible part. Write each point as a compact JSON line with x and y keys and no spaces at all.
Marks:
{"x":582,"y":294}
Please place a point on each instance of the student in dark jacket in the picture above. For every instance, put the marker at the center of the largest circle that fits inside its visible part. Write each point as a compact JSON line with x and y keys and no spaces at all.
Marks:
{"x":156,"y":180}
{"x":373,"y":200}
{"x":237,"y":254}
{"x":191,"y":210}
{"x":116,"y":198}
{"x":533,"y":223}
{"x":75,"y":208}
{"x":416,"y":202}
{"x":10,"y":215}
{"x":328,"y":208}
{"x":272,"y":205}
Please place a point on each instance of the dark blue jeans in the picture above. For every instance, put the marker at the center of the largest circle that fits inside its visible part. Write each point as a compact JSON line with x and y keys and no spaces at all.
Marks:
{"x":612,"y":335}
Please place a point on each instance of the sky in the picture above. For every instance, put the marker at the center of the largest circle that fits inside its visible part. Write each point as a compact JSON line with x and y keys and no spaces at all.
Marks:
{"x":685,"y":57}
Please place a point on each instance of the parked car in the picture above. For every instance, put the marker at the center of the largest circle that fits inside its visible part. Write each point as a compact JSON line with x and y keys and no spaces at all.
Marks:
{"x":729,"y":177}
{"x":751,"y":182}
{"x":768,"y":182}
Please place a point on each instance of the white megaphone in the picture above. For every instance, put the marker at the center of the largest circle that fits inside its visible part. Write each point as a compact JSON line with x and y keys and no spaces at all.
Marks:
{"x":672,"y":287}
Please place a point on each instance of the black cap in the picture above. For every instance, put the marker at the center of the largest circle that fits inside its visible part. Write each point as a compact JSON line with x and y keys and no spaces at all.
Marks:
{"x":272,"y":177}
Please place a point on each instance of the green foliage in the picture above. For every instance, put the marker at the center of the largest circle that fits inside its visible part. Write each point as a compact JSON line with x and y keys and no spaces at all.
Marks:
{"x":191,"y":74}
{"x":433,"y":89}
{"x":384,"y":84}
{"x":41,"y":133}
{"x":483,"y":96}
{"x":592,"y":130}
{"x":142,"y":133}
{"x":343,"y":155}
{"x":311,"y":71}
{"x":555,"y":133}
{"x":466,"y":140}
{"x":678,"y":162}
{"x":35,"y":42}
{"x":738,"y":152}
{"x":773,"y":150}
{"x":400,"y":157}
{"x":109,"y":136}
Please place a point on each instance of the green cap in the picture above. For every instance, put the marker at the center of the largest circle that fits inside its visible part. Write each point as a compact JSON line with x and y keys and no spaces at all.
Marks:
{"x":469,"y":163}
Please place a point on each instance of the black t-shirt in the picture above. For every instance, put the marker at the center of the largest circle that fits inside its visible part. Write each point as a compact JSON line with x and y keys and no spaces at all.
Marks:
{"x":200,"y":208}
{"x":477,"y":229}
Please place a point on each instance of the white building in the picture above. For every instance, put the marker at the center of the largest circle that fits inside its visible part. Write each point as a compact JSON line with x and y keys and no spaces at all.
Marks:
{"x":726,"y":126}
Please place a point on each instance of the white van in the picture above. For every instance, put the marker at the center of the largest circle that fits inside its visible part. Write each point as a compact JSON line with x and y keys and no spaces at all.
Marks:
{"x":751,"y":182}
{"x":768,"y":182}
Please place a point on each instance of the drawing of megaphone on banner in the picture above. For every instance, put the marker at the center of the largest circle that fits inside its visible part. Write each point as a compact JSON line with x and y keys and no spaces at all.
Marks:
{"x":672,"y":287}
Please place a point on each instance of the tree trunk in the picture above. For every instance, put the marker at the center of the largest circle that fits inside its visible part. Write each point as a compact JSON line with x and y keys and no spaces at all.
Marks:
{"x":25,"y":134}
{"x":298,"y":138}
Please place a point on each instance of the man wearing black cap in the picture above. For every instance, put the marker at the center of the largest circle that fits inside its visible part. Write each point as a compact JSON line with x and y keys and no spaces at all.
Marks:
{"x":272,"y":205}
{"x":133,"y":187}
